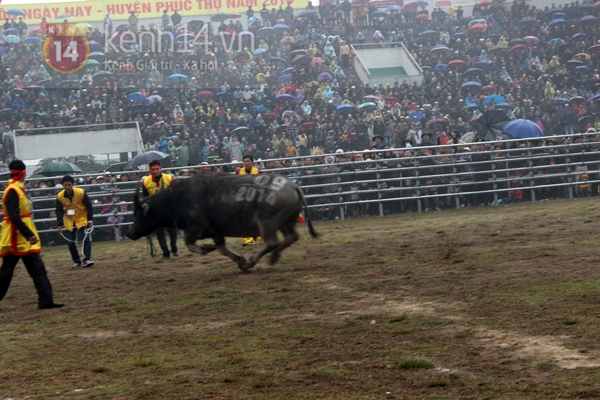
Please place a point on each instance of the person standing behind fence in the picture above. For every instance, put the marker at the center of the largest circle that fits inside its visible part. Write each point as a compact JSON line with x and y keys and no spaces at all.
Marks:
{"x":19,"y":239}
{"x":153,"y":183}
{"x":74,"y":212}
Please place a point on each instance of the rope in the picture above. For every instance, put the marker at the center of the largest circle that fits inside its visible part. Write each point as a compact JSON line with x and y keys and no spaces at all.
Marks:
{"x":87,"y":233}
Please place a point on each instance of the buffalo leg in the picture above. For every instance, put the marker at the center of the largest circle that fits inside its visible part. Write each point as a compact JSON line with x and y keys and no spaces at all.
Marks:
{"x":190,"y":242}
{"x":226,"y":251}
{"x":271,"y":242}
{"x":288,"y":228}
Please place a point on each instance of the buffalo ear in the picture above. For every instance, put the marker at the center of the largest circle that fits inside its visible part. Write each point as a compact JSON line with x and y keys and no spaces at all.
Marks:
{"x":146,"y":208}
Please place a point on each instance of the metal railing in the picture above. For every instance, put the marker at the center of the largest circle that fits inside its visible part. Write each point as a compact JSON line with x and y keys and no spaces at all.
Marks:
{"x":376,"y":183}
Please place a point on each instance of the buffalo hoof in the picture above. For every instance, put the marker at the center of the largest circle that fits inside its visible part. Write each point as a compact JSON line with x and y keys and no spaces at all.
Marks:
{"x":246,"y":267}
{"x":274,"y":258}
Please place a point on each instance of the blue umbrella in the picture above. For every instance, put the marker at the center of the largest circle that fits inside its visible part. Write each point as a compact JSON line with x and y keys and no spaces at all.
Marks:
{"x":223,"y":96}
{"x":560,"y":101}
{"x":583,"y":68}
{"x":527,"y":19}
{"x":504,"y":105}
{"x":497,"y":99}
{"x":556,"y":21}
{"x":555,"y":42}
{"x":32,"y":40}
{"x":16,"y":11}
{"x":470,"y":84}
{"x":283,"y":79}
{"x":483,"y":64}
{"x":523,"y":128}
{"x":344,"y":107}
{"x":179,"y":78}
{"x":379,"y":13}
{"x":260,"y":109}
{"x":12,"y":39}
{"x":258,"y":51}
{"x":559,"y":15}
{"x":281,"y":26}
{"x":6,"y":111}
{"x":422,"y":3}
{"x":441,"y":66}
{"x":477,"y":21}
{"x":288,"y":70}
{"x":10,"y":31}
{"x":137,"y":96}
{"x":457,"y":35}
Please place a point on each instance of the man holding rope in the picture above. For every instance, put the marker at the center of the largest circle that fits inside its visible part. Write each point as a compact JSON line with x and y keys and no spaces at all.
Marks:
{"x":73,"y":213}
{"x":19,"y":239}
{"x":152,"y":183}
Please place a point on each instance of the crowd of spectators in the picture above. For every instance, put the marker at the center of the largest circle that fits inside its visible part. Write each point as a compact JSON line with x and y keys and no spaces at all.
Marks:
{"x":294,"y":93}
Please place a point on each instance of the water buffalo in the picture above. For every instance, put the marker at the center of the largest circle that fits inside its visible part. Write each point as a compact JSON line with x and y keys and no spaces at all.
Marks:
{"x":219,"y":205}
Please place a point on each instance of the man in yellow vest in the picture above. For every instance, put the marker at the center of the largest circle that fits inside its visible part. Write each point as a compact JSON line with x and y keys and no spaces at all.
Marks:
{"x":248,"y":169}
{"x":153,"y":183}
{"x":19,"y":239}
{"x":74,"y":212}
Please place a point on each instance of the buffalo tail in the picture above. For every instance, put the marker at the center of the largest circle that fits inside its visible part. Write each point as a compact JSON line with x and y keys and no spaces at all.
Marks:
{"x":311,"y":229}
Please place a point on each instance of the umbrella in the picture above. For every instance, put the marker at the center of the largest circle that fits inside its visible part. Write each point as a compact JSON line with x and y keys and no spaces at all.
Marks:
{"x":473,"y":71}
{"x":344,"y":107}
{"x":435,"y":121}
{"x":91,"y":61}
{"x":185,"y":37}
{"x":59,"y":168}
{"x":288,"y":70}
{"x":597,"y":4}
{"x":153,"y":98}
{"x":555,"y":42}
{"x":12,"y":39}
{"x":457,"y":64}
{"x":422,"y":3}
{"x":299,"y":51}
{"x":241,"y":57}
{"x":307,"y":13}
{"x":498,"y":48}
{"x":6,"y":111}
{"x":302,"y":59}
{"x":239,"y":130}
{"x":560,"y":101}
{"x":527,"y":20}
{"x":429,"y":32}
{"x":317,"y":61}
{"x":440,"y":47}
{"x":478,"y":28}
{"x":97,"y":54}
{"x":10,"y":31}
{"x":64,"y":16}
{"x":588,"y":18}
{"x":145,"y":158}
{"x":260,"y":109}
{"x":32,"y":40}
{"x":531,"y":39}
{"x":223,"y":96}
{"x":519,"y":47}
{"x":265,"y":31}
{"x":577,"y":36}
{"x":367,"y":106}
{"x":118,"y":167}
{"x":457,"y":35}
{"x":179,"y":78}
{"x":488,"y":88}
{"x":483,"y":64}
{"x":574,"y":63}
{"x":371,"y":97}
{"x":421,"y":17}
{"x":258,"y":52}
{"x":485,"y":2}
{"x":205,"y":94}
{"x":234,"y":15}
{"x":583,"y":68}
{"x":496,"y":98}
{"x":577,"y":99}
{"x":288,"y":39}
{"x":122,"y":28}
{"x":594,"y":98}
{"x":470,"y":84}
{"x":443,"y":67}
{"x":281,"y":26}
{"x":516,"y":41}
{"x":219,"y":17}
{"x":379,"y":13}
{"x":137,"y":96}
{"x":595,"y":48}
{"x":586,"y":6}
{"x":284,"y":97}
{"x":504,"y":105}
{"x":16,"y":11}
{"x":307,"y":126}
{"x":523,"y":128}
{"x":324,"y":76}
{"x":102,"y":74}
{"x":556,"y":21}
{"x":490,"y":124}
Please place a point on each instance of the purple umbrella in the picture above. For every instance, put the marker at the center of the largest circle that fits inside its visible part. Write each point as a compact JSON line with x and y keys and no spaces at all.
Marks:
{"x":588,"y":18}
{"x":285,"y":96}
{"x":159,"y":123}
{"x":577,"y":36}
{"x":434,"y":121}
{"x":290,"y":69}
{"x":594,"y":98}
{"x":289,"y":113}
{"x":371,"y":98}
{"x":154,"y":97}
{"x":323,"y":76}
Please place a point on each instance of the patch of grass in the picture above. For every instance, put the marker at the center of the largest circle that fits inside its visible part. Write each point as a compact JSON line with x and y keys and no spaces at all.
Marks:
{"x":414,"y":363}
{"x":321,"y":372}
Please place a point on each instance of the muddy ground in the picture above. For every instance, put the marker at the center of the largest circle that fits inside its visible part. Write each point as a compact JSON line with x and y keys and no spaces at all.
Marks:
{"x":487,"y":303}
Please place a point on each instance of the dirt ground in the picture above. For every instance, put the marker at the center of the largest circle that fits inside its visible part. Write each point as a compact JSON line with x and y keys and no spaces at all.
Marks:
{"x":485,"y":303}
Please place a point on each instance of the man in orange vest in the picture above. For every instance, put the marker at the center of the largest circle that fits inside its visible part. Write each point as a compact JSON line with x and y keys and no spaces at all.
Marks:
{"x":248,"y":169}
{"x":19,"y":239}
{"x":153,"y":183}
{"x":74,"y":212}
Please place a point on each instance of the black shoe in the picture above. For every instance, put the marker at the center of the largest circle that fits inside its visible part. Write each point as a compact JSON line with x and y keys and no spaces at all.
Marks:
{"x":175,"y":254}
{"x":50,"y":305}
{"x":166,"y":257}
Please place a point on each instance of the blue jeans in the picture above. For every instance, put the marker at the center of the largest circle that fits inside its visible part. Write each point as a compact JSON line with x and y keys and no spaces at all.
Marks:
{"x":87,"y":244}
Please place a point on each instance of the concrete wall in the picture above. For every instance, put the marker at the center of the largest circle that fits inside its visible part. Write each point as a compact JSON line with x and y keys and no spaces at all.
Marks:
{"x":78,"y":144}
{"x":387,"y":57}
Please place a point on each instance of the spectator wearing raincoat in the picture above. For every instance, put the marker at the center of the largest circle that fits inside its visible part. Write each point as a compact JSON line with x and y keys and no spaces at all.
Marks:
{"x":306,"y":108}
